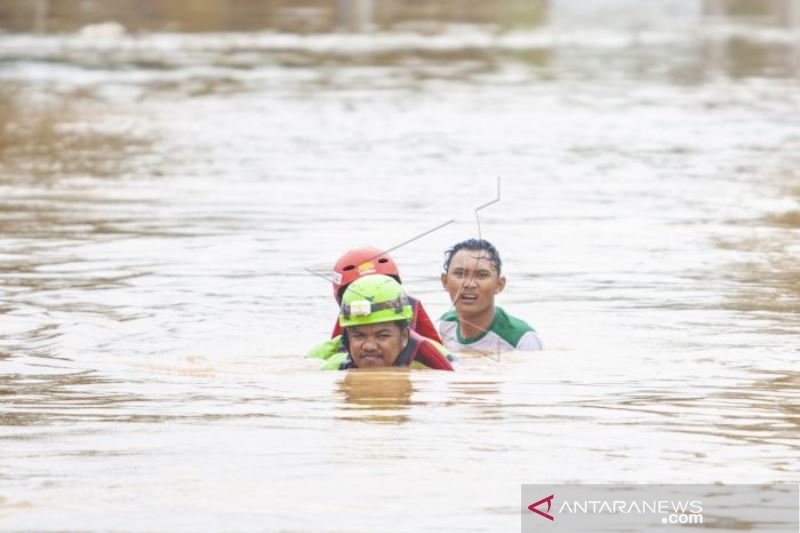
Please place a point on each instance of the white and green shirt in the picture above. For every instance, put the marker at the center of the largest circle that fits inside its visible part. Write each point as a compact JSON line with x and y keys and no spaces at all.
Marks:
{"x":506,"y":333}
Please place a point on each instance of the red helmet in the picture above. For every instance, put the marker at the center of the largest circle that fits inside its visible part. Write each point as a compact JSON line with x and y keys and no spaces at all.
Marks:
{"x":361,"y":262}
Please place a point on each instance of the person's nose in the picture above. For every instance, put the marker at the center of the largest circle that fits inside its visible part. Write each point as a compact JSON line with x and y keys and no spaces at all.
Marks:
{"x":370,"y":345}
{"x":470,"y":282}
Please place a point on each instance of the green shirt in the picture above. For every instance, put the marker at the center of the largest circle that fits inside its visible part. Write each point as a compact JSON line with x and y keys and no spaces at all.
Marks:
{"x":326,"y":349}
{"x":506,"y":333}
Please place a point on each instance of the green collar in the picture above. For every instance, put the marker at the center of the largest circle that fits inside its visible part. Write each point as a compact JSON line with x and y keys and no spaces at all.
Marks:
{"x":469,"y":340}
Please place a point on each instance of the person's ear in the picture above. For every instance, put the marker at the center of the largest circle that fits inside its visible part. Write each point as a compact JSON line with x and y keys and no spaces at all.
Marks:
{"x":501,"y":284}
{"x":405,"y":336}
{"x":444,"y":280}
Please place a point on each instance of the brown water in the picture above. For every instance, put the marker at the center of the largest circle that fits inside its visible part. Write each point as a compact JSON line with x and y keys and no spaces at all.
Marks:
{"x":164,"y":195}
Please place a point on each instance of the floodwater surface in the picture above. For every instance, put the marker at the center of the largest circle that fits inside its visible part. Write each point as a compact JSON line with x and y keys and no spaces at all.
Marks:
{"x":171,"y":204}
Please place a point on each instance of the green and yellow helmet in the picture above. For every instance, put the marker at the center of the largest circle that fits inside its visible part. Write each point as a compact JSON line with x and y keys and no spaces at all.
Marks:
{"x":374,"y":299}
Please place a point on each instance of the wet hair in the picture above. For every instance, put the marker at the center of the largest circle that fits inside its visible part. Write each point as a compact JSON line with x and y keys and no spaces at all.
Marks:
{"x":402,"y":324}
{"x":476,"y":245}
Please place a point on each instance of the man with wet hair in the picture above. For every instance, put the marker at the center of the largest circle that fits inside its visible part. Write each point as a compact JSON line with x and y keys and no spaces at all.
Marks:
{"x":472,"y":276}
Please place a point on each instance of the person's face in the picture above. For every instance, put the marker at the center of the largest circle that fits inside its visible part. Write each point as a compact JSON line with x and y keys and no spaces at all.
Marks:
{"x":472,"y":282}
{"x":376,"y":345}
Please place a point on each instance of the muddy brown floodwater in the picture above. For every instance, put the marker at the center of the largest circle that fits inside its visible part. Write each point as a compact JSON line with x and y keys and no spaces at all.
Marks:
{"x":166,"y":184}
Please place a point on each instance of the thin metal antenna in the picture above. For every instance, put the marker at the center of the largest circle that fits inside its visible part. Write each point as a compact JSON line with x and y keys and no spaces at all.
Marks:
{"x":497,"y":199}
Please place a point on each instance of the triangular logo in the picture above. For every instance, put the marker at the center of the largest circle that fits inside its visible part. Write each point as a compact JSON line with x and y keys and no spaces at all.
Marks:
{"x":549,"y":500}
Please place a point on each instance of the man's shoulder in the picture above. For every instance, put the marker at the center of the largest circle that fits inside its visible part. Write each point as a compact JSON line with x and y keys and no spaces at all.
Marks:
{"x":441,"y":348}
{"x":326,"y":349}
{"x":450,"y":316}
{"x":448,"y":327}
{"x":510,"y":328}
{"x":335,"y":361}
{"x":431,"y":347}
